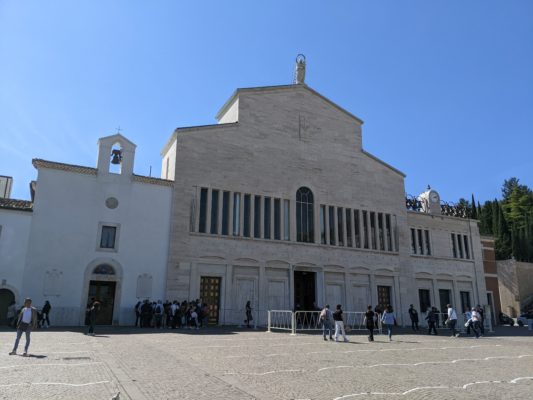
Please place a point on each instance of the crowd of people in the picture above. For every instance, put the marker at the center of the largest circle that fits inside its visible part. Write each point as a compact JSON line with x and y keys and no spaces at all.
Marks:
{"x":187,"y":314}
{"x":374,"y":317}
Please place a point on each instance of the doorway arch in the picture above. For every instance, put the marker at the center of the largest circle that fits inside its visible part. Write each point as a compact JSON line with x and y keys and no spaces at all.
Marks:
{"x":6,"y":297}
{"x":103,"y":281}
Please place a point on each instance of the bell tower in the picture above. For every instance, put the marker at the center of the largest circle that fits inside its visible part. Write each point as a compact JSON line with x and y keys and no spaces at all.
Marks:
{"x":116,"y":155}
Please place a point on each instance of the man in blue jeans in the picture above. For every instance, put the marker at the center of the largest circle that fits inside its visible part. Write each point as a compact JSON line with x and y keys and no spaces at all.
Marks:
{"x":26,"y":321}
{"x":326,"y":318}
{"x":452,"y":320}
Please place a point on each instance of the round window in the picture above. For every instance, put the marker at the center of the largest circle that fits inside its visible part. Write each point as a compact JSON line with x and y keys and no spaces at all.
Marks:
{"x":111,"y":203}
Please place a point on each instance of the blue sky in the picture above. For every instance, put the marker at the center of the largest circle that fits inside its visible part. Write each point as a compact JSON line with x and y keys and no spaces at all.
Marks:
{"x":445,"y":87}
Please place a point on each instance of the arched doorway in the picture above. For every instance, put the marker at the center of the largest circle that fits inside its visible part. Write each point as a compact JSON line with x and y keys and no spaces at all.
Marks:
{"x":6,"y":297}
{"x":103,"y":287}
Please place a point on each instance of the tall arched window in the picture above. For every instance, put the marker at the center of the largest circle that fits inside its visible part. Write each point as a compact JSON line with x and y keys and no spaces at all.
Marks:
{"x":305,"y":227}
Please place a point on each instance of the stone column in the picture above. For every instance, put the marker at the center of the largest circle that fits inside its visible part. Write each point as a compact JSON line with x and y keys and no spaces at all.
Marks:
{"x":262,"y":303}
{"x":228,"y":296}
{"x":291,"y":287}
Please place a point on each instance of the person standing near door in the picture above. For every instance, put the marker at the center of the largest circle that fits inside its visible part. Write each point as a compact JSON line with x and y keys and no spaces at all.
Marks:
{"x":452,"y":320}
{"x":249,"y":317}
{"x":46,"y":314}
{"x":93,"y":313}
{"x":413,"y":314}
{"x":26,"y":321}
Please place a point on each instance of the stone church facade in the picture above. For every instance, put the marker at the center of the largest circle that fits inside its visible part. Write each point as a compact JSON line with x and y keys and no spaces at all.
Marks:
{"x":279,"y":204}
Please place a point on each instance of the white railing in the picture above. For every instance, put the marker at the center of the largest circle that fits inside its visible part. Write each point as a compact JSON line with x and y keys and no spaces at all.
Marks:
{"x":310,"y":321}
{"x":282,"y":320}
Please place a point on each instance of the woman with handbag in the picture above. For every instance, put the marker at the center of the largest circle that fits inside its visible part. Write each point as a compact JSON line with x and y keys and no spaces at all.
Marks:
{"x":26,"y":321}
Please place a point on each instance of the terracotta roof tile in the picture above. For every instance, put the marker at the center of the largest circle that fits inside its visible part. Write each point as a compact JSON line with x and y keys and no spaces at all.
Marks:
{"x":13,"y":204}
{"x":38,"y":163}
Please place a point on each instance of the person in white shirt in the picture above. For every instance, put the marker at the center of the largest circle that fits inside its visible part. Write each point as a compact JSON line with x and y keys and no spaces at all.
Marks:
{"x":476,"y":318}
{"x":26,"y":321}
{"x":452,"y":320}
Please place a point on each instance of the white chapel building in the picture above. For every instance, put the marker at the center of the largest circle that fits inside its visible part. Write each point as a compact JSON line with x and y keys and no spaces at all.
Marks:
{"x":94,"y":232}
{"x":277,"y":204}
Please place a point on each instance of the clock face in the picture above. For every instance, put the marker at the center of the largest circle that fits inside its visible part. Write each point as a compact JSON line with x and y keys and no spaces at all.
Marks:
{"x":434,"y":197}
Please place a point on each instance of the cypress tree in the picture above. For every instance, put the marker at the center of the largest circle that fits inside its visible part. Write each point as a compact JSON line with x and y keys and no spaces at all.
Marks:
{"x":474,"y":209}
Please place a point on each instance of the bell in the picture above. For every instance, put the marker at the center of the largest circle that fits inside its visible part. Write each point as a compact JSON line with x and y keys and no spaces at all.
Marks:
{"x":117,"y":157}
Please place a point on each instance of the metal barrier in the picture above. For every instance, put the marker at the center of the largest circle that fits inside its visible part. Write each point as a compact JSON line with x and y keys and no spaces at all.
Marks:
{"x":310,"y":321}
{"x":281,"y":319}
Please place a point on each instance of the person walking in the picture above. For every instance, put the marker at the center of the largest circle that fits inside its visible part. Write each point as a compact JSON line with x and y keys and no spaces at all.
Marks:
{"x":94,"y":307}
{"x":481,"y":314}
{"x":12,"y":314}
{"x":431,"y":318}
{"x":46,"y":314}
{"x":413,"y":315}
{"x":249,"y":316}
{"x":476,"y":319}
{"x":339,"y":323}
{"x":26,"y":321}
{"x":326,"y":319}
{"x":369,"y":321}
{"x":389,"y":319}
{"x":452,"y":320}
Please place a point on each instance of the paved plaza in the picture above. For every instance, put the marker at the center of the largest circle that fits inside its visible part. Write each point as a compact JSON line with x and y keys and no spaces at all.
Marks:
{"x":248,"y":364}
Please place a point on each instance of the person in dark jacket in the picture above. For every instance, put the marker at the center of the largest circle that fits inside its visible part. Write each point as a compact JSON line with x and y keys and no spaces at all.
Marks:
{"x":432,"y":320}
{"x":249,"y":317}
{"x":413,"y":314}
{"x":46,"y":314}
{"x":369,"y":320}
{"x":93,"y":313}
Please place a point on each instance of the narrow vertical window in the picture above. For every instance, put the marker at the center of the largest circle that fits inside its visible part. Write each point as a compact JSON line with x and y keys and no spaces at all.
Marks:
{"x":214,"y":211}
{"x":381,"y":232}
{"x":323,"y":224}
{"x":257,"y":216}
{"x":413,"y":241}
{"x":246,"y":217}
{"x":389,"y":233}
{"x":236,"y":214}
{"x":277,"y":221}
{"x":396,"y":233}
{"x":460,"y":246}
{"x":203,"y":211}
{"x":467,"y":250}
{"x":225,"y":213}
{"x":266,"y":217}
{"x":305,"y":228}
{"x":286,"y":220}
{"x":373,"y":229}
{"x":349,"y":239}
{"x":357,"y":232}
{"x":340,"y":225}
{"x":454,"y":247}
{"x":365,"y":229}
{"x":428,"y":244}
{"x":420,"y":241}
{"x":331,"y":225}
